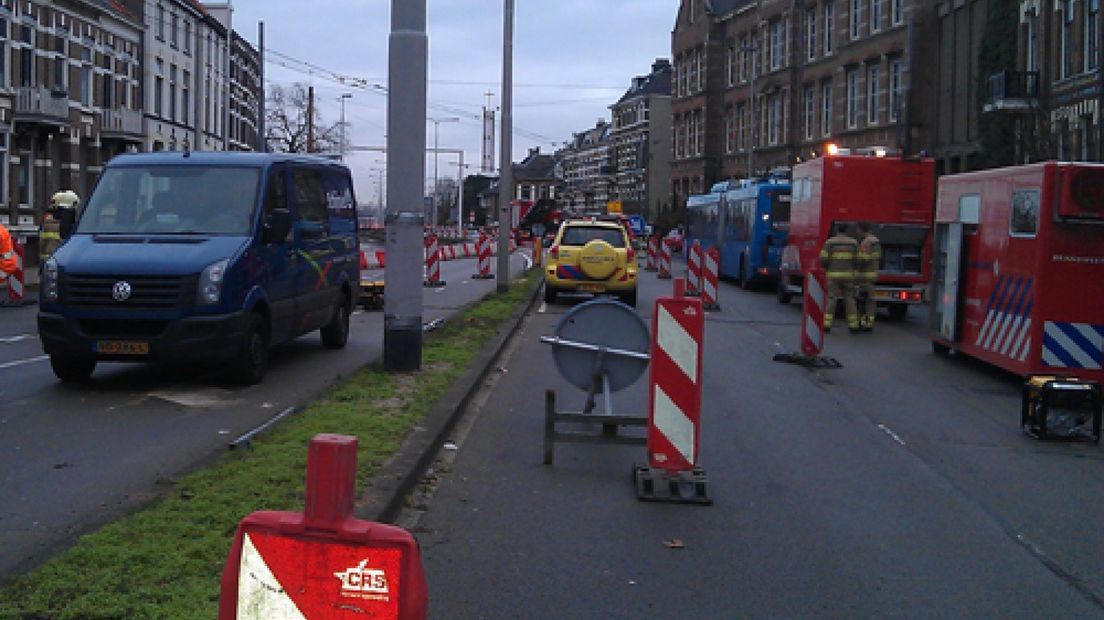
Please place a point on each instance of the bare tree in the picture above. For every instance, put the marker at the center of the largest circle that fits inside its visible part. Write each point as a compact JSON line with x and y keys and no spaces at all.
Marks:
{"x":286,"y":122}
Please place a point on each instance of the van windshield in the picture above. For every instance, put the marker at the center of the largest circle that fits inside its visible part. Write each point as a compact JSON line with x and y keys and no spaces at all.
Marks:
{"x":204,"y":200}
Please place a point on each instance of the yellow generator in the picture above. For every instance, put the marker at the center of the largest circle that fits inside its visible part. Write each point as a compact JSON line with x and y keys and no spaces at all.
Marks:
{"x":1061,"y":407}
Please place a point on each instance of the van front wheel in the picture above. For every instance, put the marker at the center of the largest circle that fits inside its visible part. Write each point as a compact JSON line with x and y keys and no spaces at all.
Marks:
{"x":72,"y":369}
{"x":252,"y":362}
{"x":336,"y":334}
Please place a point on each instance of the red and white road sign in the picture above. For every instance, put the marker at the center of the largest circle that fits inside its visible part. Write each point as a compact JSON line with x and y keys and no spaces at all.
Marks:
{"x":323,"y":563}
{"x":693,"y":268}
{"x":675,"y":392}
{"x":651,"y":264}
{"x":710,"y":265}
{"x":432,"y":260}
{"x":812,"y":323}
{"x":483,"y":251}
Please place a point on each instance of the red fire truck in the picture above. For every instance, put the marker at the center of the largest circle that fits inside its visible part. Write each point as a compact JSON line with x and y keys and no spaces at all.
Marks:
{"x":1019,"y":268}
{"x":895,"y":195}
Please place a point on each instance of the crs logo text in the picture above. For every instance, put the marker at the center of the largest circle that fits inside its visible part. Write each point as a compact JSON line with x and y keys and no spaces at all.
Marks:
{"x":363,"y":582}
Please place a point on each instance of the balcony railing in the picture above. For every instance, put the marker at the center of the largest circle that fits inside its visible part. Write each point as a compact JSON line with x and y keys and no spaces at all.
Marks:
{"x":1013,"y":91}
{"x":41,"y":104}
{"x":121,"y":122}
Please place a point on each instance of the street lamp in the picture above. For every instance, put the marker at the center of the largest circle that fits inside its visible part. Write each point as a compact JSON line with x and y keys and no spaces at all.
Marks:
{"x":344,"y":141}
{"x":436,"y":122}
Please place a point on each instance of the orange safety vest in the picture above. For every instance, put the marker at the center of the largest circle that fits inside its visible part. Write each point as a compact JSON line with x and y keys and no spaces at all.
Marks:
{"x":7,"y":252}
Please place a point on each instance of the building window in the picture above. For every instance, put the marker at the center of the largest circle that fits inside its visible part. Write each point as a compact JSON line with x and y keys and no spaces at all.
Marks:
{"x":699,"y":129}
{"x":856,"y":18}
{"x":172,"y":93}
{"x":810,"y":34}
{"x":873,"y":98}
{"x":774,"y":119}
{"x":61,"y":61}
{"x":187,"y":37}
{"x":730,"y":63}
{"x":26,"y":57}
{"x":897,"y":11}
{"x":1092,"y":35}
{"x":875,"y":15}
{"x":185,"y":98}
{"x":745,"y":59}
{"x":777,"y":45}
{"x":1032,"y":62}
{"x":741,"y":127}
{"x":1067,"y":39}
{"x":896,"y":87}
{"x":1088,"y":150}
{"x":161,"y":22}
{"x":173,"y":27}
{"x":86,"y":76}
{"x":853,"y":97}
{"x":729,"y":130}
{"x":158,"y":86}
{"x":826,"y":109}
{"x":829,"y":24}
{"x":810,"y":112}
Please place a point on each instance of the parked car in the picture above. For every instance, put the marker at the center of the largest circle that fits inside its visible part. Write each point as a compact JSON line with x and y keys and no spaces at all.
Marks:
{"x":674,"y":239}
{"x":203,"y":256}
{"x":591,"y":257}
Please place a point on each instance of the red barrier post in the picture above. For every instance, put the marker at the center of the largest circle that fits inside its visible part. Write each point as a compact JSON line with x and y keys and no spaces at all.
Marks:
{"x":664,"y":261}
{"x":483,"y":252}
{"x":323,"y":563}
{"x":433,"y":261}
{"x":813,"y":309}
{"x":693,"y":269}
{"x":710,"y":277}
{"x":653,"y":250}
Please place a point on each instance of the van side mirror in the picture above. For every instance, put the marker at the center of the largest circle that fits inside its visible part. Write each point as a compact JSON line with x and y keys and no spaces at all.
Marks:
{"x":277,"y":226}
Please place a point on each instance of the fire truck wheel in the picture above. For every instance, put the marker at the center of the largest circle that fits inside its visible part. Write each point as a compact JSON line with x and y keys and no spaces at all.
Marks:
{"x":898,"y":312}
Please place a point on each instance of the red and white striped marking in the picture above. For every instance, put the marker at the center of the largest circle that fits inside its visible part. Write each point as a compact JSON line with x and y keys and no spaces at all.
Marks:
{"x":710,"y":276}
{"x":483,"y":249}
{"x":693,"y":269}
{"x":432,"y":260}
{"x":664,"y":261}
{"x":812,"y":324}
{"x":674,"y":412}
{"x":651,"y":264}
{"x":16,"y":279}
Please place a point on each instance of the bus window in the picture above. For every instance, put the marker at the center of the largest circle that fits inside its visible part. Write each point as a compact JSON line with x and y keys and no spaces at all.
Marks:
{"x":780,"y":212}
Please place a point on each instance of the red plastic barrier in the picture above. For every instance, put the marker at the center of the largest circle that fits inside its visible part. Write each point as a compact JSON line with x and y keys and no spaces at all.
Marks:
{"x":651,"y":264}
{"x":694,"y":269}
{"x":812,"y":324}
{"x":432,"y":261}
{"x":323,"y":563}
{"x":675,"y":393}
{"x":664,"y":261}
{"x":710,"y":277}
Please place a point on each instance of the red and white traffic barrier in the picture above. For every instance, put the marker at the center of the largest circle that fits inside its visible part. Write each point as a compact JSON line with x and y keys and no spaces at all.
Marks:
{"x":693,"y":269}
{"x":16,"y":279}
{"x":483,"y":250}
{"x":664,"y":261}
{"x":432,"y":261}
{"x":710,"y":277}
{"x":674,"y":403}
{"x":651,"y":263}
{"x":323,"y":563}
{"x":813,"y":310}
{"x":373,"y":260}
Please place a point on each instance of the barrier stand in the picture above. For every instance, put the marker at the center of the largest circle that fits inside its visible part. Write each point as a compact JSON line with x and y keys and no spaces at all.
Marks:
{"x":16,"y":290}
{"x":323,"y":563}
{"x":812,"y":324}
{"x":664,"y":261}
{"x":433,"y":262}
{"x":653,"y":250}
{"x":674,"y":404}
{"x":693,"y":269}
{"x":710,"y":278}
{"x":599,"y":346}
{"x":483,"y":251}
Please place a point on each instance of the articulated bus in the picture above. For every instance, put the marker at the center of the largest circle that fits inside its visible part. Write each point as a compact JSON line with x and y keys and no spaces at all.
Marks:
{"x":753,"y":220}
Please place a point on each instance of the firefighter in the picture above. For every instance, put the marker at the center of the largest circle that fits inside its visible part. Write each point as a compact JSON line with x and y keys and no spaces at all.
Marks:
{"x":866,"y":273}
{"x":57,"y":223}
{"x":838,"y":259}
{"x":7,"y":253}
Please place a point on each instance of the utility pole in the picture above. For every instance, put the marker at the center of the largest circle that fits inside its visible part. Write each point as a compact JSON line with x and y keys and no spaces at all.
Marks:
{"x":310,"y":119}
{"x":408,"y":47}
{"x":460,"y":193}
{"x":344,"y":96}
{"x":506,"y":177}
{"x":262,"y":141}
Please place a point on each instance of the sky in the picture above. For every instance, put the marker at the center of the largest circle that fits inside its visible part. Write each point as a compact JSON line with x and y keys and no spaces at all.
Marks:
{"x":572,"y":60}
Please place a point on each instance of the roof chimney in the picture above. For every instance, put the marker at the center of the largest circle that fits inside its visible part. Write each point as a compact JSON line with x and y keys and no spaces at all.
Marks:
{"x":660,"y":64}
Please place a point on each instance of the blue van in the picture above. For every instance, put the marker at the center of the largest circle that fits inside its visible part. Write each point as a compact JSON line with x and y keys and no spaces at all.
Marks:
{"x":203,"y":256}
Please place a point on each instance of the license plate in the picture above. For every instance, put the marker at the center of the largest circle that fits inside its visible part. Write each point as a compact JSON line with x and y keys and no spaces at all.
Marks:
{"x":881,"y":295}
{"x":122,"y":347}
{"x":592,"y":288}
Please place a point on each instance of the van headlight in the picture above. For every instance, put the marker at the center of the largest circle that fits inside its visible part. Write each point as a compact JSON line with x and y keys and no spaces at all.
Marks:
{"x":210,"y":283}
{"x":49,"y":284}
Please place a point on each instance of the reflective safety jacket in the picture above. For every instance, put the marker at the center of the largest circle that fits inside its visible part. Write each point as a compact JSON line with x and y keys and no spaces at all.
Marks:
{"x":838,"y":257}
{"x":868,"y":258}
{"x":7,"y":253}
{"x":49,"y":238}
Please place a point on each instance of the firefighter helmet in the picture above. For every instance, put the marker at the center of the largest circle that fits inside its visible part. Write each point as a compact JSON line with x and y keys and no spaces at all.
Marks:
{"x":65,"y":198}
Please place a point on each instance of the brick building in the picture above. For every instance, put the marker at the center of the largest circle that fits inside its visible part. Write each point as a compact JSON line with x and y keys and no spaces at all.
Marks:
{"x":584,"y":168}
{"x":641,"y":137}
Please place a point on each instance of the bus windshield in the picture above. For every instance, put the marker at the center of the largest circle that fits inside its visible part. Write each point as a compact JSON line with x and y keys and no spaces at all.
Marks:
{"x":204,"y":200}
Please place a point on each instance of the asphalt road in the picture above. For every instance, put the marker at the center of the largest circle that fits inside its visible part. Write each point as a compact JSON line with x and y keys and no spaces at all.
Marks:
{"x":898,"y":486}
{"x":76,"y":456}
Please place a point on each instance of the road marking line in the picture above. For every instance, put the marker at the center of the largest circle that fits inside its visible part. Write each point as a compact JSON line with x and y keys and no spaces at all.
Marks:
{"x":885,"y":429}
{"x":20,"y":337}
{"x":29,"y":360}
{"x":543,"y":307}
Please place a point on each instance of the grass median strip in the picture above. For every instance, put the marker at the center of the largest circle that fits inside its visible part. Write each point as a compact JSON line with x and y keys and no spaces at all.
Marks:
{"x":164,"y":562}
